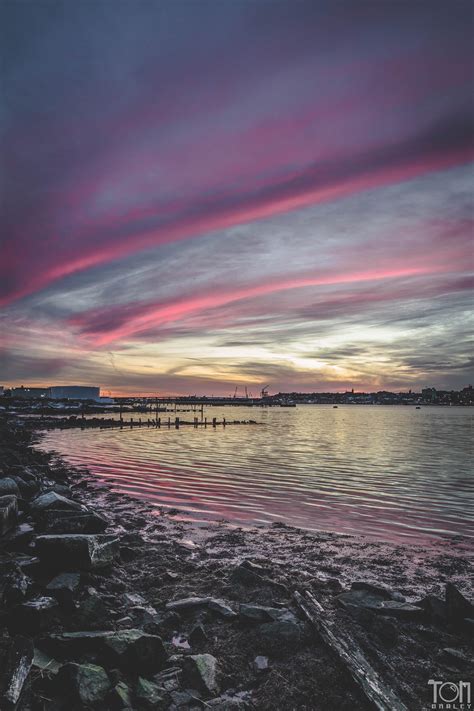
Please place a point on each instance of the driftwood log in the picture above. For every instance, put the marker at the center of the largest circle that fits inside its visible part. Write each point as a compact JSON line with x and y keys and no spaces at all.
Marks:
{"x":350,"y":654}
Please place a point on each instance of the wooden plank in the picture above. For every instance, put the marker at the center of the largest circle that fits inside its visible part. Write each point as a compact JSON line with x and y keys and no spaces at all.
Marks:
{"x":350,"y":654}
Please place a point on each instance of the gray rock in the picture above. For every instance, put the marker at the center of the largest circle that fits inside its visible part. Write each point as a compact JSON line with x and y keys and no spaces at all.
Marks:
{"x":185,"y":700}
{"x":93,"y":614}
{"x":400,"y":610}
{"x":169,"y":678}
{"x":187,"y":603}
{"x":246,"y":575}
{"x":260,"y":613}
{"x":120,"y":697}
{"x":64,"y":586}
{"x":33,"y":616}
{"x":45,"y":665}
{"x":200,"y":671}
{"x":386,"y":631}
{"x":20,"y":537}
{"x":77,"y":551}
{"x":221,"y":608}
{"x":51,"y":501}
{"x":143,"y":616}
{"x":15,"y":671}
{"x":457,"y":606}
{"x":150,"y":694}
{"x":197,"y":636}
{"x":17,"y":585}
{"x":380,"y":591}
{"x":134,"y":599}
{"x":458,"y":657}
{"x":28,"y":488}
{"x":86,"y":683}
{"x":9,"y":486}
{"x":8,"y":513}
{"x":71,"y":522}
{"x":434,"y":608}
{"x":260,"y":664}
{"x":131,"y":650}
{"x":379,"y":603}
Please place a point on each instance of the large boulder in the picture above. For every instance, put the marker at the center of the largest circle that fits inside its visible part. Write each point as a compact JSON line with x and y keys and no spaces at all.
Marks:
{"x":28,"y":488}
{"x":51,"y":501}
{"x":200,"y":672}
{"x":131,"y":650}
{"x":457,"y":606}
{"x":77,"y":551}
{"x":71,"y":521}
{"x":8,"y":513}
{"x":87,"y":684}
{"x":9,"y":486}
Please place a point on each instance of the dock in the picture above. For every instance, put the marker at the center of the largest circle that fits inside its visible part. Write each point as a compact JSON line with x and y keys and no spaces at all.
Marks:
{"x":83,"y":423}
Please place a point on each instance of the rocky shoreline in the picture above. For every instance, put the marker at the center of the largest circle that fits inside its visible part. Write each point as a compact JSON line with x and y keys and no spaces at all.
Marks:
{"x":107,"y":602}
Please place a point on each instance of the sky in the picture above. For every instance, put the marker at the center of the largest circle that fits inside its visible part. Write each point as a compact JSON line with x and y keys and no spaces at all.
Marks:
{"x":199,"y":195}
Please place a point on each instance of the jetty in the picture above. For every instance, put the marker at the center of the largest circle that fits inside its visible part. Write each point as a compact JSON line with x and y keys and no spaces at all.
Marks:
{"x":83,"y":423}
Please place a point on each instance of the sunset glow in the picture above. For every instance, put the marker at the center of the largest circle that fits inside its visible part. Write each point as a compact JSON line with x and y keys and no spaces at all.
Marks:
{"x":237,"y":195}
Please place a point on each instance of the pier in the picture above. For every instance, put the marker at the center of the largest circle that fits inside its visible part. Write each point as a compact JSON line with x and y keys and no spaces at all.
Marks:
{"x":167,"y":422}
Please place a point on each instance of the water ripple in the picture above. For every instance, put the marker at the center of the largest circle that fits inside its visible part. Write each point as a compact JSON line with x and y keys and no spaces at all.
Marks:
{"x":392,"y":472}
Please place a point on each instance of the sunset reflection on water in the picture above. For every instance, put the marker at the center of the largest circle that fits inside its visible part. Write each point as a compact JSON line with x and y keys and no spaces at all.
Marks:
{"x":392,"y":472}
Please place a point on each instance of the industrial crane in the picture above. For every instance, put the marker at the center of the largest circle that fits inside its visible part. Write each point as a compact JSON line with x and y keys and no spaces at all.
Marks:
{"x":264,"y":391}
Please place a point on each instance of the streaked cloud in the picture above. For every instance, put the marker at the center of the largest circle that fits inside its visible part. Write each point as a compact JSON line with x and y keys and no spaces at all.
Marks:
{"x":215,"y":193}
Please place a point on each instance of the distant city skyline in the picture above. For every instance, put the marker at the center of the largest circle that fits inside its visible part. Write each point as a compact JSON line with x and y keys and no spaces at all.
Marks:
{"x":203,"y":196}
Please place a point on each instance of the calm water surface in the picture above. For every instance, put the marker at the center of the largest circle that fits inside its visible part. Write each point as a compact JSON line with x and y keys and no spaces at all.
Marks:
{"x":393,"y":472}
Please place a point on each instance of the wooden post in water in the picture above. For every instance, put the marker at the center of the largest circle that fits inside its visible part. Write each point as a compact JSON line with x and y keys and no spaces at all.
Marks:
{"x":176,"y":423}
{"x":214,"y":421}
{"x":223,"y":421}
{"x":169,"y":422}
{"x":159,"y":422}
{"x":205,"y":422}
{"x":202,"y":411}
{"x":131,"y":422}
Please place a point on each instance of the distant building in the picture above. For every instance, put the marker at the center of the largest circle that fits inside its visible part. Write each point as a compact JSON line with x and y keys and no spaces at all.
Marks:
{"x":74,"y":392}
{"x":29,"y":393}
{"x":429,"y":394}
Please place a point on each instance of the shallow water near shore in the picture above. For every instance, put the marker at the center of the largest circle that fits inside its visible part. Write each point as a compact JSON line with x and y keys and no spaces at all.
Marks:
{"x":395,"y":473}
